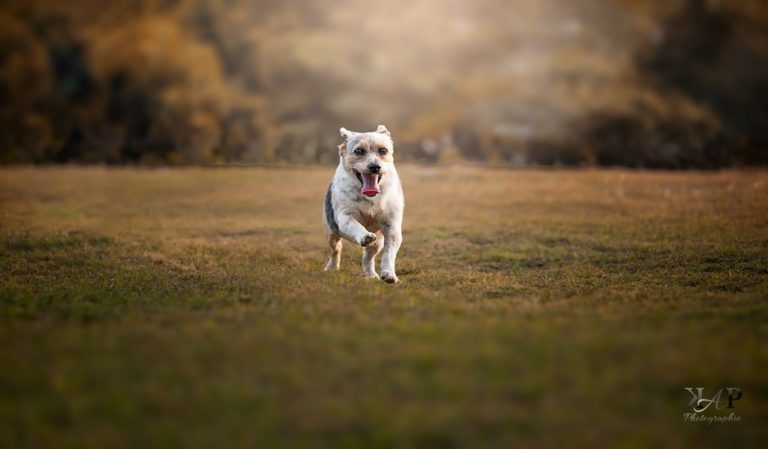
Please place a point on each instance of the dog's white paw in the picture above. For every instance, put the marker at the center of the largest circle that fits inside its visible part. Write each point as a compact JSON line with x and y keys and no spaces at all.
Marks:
{"x":388,"y":277}
{"x":371,"y":275}
{"x":367,"y":239}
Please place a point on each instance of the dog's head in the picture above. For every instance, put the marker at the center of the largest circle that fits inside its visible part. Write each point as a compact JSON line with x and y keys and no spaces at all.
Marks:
{"x":368,"y":156}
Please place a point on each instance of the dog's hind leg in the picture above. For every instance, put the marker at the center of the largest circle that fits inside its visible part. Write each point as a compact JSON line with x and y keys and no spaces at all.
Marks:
{"x":334,"y":241}
{"x":369,"y":258}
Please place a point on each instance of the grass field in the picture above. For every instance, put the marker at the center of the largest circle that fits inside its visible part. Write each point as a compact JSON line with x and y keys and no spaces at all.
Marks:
{"x":187,"y":308}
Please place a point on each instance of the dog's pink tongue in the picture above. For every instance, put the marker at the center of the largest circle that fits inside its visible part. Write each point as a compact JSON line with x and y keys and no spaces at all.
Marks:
{"x":370,"y":184}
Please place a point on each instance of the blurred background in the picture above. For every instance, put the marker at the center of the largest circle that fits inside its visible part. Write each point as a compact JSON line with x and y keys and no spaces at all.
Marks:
{"x":638,"y":83}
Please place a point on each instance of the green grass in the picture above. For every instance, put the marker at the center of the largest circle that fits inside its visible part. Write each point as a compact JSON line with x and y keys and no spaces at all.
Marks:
{"x":186,"y":308}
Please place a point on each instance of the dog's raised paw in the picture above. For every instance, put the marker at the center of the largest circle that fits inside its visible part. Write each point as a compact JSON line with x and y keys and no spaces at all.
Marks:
{"x":388,"y":277}
{"x":368,"y":239}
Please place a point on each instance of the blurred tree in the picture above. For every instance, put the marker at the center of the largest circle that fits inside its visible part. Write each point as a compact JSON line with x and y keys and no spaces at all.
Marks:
{"x":505,"y":81}
{"x":25,"y":82}
{"x":717,"y":53}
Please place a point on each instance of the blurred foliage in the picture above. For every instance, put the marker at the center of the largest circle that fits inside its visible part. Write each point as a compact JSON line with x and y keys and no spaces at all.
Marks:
{"x":630,"y":82}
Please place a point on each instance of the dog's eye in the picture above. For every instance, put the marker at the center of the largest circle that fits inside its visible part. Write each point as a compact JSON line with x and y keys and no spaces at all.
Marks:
{"x":383,"y":151}
{"x":359,"y":151}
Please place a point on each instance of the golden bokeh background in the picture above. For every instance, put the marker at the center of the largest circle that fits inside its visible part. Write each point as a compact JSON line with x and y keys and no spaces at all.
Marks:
{"x":612,"y":82}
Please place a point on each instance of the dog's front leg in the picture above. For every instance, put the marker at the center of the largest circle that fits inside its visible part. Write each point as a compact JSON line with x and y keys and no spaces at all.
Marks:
{"x":352,"y":230}
{"x":393,"y":237}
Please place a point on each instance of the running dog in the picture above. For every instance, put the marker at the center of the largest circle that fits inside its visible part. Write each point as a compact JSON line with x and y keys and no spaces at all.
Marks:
{"x":364,"y":203}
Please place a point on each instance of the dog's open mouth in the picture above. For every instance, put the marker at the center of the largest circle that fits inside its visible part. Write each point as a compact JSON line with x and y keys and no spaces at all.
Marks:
{"x":370,"y":182}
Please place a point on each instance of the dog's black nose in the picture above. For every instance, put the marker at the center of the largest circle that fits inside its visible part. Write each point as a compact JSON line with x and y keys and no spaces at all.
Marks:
{"x":374,"y":168}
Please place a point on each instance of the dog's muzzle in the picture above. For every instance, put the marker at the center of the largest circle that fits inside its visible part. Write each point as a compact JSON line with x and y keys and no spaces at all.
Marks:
{"x":370,"y":182}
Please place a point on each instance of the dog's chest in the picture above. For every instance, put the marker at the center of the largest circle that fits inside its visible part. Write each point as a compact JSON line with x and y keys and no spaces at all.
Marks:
{"x":368,"y":213}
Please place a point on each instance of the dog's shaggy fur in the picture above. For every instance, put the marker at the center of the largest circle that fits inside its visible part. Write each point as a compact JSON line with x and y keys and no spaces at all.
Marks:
{"x":364,"y":203}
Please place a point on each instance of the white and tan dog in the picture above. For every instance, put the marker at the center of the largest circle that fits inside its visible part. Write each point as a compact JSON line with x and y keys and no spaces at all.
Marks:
{"x":365,"y":202}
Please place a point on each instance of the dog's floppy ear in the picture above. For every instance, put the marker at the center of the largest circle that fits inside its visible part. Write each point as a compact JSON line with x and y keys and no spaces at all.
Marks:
{"x":382,"y":129}
{"x":345,"y":133}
